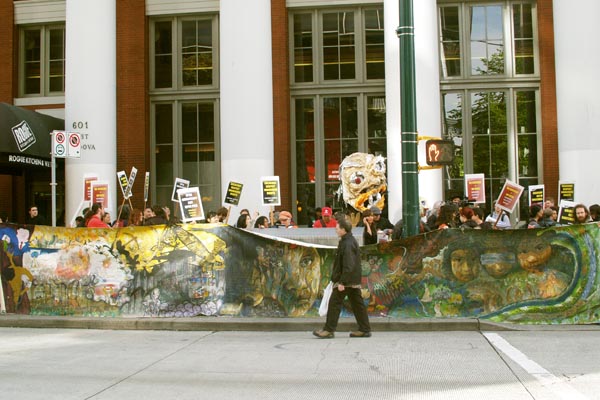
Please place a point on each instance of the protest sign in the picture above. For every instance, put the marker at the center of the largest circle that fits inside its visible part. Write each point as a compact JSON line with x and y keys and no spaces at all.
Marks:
{"x":270,"y":191}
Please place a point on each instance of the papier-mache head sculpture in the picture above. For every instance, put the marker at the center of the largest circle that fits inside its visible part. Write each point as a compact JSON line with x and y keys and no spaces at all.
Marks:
{"x":363,"y":181}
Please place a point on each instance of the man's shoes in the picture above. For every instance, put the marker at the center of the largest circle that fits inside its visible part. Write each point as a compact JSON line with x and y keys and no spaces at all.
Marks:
{"x":360,"y":334}
{"x":323,"y":334}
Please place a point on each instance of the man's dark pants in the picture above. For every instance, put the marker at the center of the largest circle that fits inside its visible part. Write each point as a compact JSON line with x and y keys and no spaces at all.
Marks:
{"x":358,"y":309}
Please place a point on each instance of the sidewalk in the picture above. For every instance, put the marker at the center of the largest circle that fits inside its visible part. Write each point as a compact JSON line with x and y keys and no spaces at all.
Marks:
{"x":378,"y":324}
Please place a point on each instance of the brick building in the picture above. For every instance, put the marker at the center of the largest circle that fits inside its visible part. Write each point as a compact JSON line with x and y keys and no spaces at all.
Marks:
{"x":219,"y":91}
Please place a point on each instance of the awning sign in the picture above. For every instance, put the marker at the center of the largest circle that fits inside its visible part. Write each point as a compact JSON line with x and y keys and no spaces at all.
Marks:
{"x":23,"y":135}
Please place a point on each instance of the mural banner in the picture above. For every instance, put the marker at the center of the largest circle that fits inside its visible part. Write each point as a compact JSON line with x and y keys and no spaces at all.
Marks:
{"x":540,"y":276}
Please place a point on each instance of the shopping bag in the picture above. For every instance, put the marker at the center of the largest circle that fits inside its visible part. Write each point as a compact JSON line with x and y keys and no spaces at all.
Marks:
{"x":325,"y":301}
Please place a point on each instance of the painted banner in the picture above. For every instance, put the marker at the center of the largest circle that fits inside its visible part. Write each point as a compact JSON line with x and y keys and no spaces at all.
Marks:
{"x":475,"y":188}
{"x":541,"y":276}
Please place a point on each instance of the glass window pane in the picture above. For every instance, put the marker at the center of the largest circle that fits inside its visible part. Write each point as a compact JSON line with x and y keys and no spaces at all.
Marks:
{"x":196,"y":52}
{"x":305,"y":158}
{"x":210,"y":197}
{"x":487,"y":40}
{"x":450,"y":36}
{"x":56,"y":64}
{"x":163,"y":57}
{"x":490,"y":134}
{"x":303,"y":65}
{"x":338,"y":46}
{"x":452,"y":129}
{"x":305,"y":119}
{"x":376,"y":127}
{"x":305,"y":161}
{"x":528,"y":156}
{"x":349,"y":117}
{"x":57,"y":43}
{"x":349,"y":147}
{"x":163,"y":123}
{"x":374,"y":38}
{"x":526,"y":112}
{"x":303,"y":48}
{"x":499,"y":156}
{"x":523,"y":39}
{"x":206,"y":130}
{"x":164,"y":165}
{"x":333,"y":158}
{"x":488,"y":113}
{"x":32,"y":58}
{"x":57,"y":76}
{"x":189,"y":123}
{"x":331,"y":112}
{"x":305,"y":194}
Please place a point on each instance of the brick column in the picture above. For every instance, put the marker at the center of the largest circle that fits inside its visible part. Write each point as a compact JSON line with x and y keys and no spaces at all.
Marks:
{"x":7,"y":52}
{"x":133,"y":141}
{"x":281,"y":99}
{"x":548,"y":98}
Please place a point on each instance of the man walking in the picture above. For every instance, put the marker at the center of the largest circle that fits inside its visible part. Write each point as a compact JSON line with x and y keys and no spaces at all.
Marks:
{"x":346,"y":277}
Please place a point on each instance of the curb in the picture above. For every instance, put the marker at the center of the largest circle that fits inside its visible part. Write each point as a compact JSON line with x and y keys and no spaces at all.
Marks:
{"x":379,"y":324}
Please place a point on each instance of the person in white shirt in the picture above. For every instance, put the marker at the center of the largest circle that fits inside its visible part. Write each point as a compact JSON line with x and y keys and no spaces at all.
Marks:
{"x":503,"y":223}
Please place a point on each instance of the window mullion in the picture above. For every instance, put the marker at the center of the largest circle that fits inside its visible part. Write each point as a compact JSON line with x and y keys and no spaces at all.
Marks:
{"x":509,"y":41}
{"x":360,"y":46}
{"x":319,"y":152}
{"x":176,"y":76}
{"x":466,"y":43}
{"x":512,"y":140}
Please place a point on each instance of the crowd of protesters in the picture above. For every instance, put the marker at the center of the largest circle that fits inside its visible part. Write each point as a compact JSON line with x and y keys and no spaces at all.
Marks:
{"x":454,"y":213}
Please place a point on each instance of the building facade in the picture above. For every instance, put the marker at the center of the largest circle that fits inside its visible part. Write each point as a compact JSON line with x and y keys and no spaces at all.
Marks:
{"x":215,"y":92}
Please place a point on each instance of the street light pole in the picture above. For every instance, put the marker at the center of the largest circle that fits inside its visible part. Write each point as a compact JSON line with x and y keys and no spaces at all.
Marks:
{"x":408,"y":117}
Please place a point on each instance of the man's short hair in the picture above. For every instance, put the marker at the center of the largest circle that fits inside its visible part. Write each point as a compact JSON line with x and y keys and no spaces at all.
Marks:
{"x":344,"y":223}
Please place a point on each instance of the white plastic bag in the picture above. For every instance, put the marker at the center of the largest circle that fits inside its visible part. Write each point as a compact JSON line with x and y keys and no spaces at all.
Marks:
{"x":325,"y":301}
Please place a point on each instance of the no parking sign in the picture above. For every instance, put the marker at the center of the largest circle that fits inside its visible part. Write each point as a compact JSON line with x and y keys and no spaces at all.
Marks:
{"x":74,"y":148}
{"x":59,"y":145}
{"x":66,"y":144}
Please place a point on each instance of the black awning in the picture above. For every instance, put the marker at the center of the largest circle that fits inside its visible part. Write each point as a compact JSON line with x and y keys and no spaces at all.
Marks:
{"x":25,"y":138}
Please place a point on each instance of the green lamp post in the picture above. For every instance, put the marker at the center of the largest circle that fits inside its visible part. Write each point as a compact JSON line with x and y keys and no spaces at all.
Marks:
{"x":408,"y":116}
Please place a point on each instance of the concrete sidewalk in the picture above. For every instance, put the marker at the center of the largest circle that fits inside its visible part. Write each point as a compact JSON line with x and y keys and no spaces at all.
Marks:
{"x":378,"y":324}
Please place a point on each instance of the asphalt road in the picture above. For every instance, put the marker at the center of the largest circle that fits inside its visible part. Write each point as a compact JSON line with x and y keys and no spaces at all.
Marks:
{"x":41,"y":363}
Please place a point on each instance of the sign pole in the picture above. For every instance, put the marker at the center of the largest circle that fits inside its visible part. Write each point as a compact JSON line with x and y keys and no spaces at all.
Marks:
{"x":53,"y":180}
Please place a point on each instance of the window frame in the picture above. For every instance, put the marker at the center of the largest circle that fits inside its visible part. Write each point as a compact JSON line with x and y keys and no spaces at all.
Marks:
{"x":176,"y":60}
{"x":45,"y":68}
{"x":360,"y":72}
{"x":176,"y":95}
{"x":464,"y":14}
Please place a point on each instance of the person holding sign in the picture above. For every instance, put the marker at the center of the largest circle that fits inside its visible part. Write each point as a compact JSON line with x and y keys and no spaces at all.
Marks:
{"x":582,"y":215}
{"x":503,"y":221}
